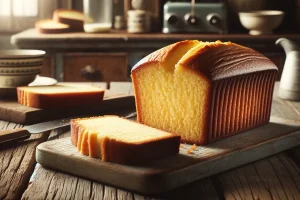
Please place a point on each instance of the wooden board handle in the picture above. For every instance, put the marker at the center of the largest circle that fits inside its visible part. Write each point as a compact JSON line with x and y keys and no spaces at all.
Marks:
{"x":14,"y":135}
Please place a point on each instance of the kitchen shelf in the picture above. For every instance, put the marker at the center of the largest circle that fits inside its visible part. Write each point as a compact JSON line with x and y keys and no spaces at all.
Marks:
{"x":100,"y":49}
{"x":120,"y":41}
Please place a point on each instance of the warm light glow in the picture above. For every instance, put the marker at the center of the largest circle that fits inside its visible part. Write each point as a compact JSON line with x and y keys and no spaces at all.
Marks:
{"x":5,"y":7}
{"x":25,"y":7}
{"x":19,"y":8}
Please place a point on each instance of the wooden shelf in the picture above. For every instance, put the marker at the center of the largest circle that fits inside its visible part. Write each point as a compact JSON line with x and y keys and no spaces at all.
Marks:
{"x":120,"y":41}
{"x":134,"y":45}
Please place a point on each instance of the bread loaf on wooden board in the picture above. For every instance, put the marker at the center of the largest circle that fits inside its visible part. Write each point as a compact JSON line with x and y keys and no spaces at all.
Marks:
{"x":204,"y":91}
{"x":59,"y":96}
{"x":119,"y":140}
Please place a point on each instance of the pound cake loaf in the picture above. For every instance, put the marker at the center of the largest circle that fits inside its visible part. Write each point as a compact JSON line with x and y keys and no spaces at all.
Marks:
{"x":118,"y":140}
{"x":59,"y":96}
{"x":204,"y":91}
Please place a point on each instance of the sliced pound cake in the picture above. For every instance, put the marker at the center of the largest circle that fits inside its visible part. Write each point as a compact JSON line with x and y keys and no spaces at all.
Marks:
{"x":59,"y":96}
{"x":204,"y":91}
{"x":119,"y":140}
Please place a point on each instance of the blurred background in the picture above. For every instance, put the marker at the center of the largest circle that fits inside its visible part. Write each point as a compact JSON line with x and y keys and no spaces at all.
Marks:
{"x":19,"y":15}
{"x":137,"y":28}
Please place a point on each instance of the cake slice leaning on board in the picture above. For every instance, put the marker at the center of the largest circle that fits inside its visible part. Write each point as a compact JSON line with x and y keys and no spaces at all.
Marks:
{"x":204,"y":91}
{"x":118,"y":140}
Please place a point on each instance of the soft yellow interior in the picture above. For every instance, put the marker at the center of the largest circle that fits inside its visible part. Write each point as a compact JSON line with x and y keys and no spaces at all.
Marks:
{"x":94,"y":134}
{"x":173,"y":97}
{"x":122,"y":130}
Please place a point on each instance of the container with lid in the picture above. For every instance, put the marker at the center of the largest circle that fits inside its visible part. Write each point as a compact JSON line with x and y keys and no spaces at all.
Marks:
{"x":98,"y":15}
{"x":138,"y":21}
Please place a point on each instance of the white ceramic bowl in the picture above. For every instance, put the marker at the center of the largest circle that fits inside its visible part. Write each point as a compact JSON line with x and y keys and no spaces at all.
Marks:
{"x":261,"y":22}
{"x":19,"y":67}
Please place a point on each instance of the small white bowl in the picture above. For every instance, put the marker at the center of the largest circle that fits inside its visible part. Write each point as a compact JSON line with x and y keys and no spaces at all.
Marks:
{"x":19,"y":67}
{"x":262,"y":21}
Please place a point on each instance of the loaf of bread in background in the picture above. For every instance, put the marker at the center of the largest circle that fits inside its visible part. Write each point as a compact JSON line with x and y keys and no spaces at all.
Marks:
{"x":59,"y":96}
{"x":50,"y":26}
{"x":73,"y":18}
{"x":118,"y":140}
{"x":204,"y":91}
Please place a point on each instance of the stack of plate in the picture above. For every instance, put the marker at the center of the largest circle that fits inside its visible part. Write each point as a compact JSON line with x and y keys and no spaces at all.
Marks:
{"x":19,"y":67}
{"x":138,"y":21}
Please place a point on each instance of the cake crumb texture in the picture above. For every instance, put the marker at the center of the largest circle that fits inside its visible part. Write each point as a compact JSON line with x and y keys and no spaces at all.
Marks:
{"x":204,"y":91}
{"x":119,"y":140}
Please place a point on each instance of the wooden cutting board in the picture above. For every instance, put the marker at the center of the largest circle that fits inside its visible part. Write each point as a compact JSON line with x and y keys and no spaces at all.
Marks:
{"x":12,"y":111}
{"x":169,"y":173}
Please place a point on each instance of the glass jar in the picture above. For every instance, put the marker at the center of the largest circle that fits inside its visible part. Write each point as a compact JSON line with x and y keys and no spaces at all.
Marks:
{"x":98,"y":15}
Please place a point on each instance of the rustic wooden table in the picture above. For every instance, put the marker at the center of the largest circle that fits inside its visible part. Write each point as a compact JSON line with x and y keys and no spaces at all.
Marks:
{"x":275,"y":177}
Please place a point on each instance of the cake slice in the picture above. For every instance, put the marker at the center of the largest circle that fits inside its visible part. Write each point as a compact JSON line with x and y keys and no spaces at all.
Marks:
{"x":73,"y":18}
{"x":59,"y":96}
{"x":50,"y":26}
{"x":118,"y":140}
{"x":204,"y":91}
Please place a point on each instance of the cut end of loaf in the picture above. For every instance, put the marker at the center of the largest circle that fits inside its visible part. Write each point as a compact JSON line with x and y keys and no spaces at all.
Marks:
{"x":162,"y":87}
{"x":119,"y":140}
{"x":175,"y":88}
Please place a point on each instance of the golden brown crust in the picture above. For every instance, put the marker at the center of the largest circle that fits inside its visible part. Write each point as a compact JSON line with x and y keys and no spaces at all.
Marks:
{"x":74,"y":132}
{"x":161,"y":55}
{"x":216,"y":60}
{"x":126,"y":153}
{"x":241,"y":104}
{"x":221,"y":60}
{"x":75,"y":24}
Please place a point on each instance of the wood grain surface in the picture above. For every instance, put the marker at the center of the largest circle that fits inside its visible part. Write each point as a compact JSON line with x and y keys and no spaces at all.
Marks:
{"x":17,"y":163}
{"x":168,"y":173}
{"x":123,"y":40}
{"x":276,"y":177}
{"x":12,"y":111}
{"x":247,"y":182}
{"x":50,"y":184}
